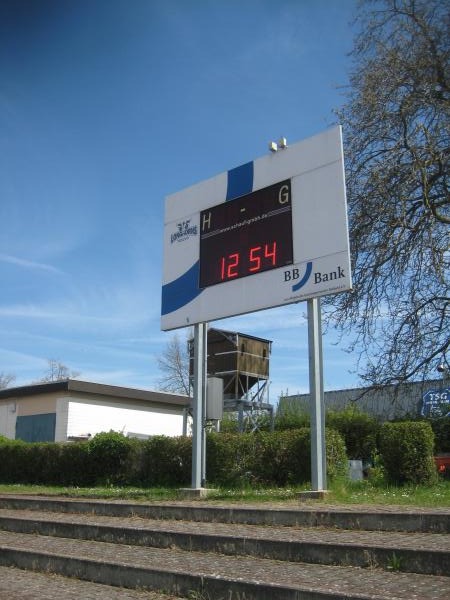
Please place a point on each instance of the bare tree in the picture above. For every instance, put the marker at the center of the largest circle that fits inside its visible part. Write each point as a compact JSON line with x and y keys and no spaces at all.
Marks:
{"x":57,"y":371}
{"x":174,"y":364}
{"x":5,"y":380}
{"x":396,"y":123}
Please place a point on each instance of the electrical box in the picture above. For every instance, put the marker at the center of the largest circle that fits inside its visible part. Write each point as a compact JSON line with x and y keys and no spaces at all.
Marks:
{"x":214,"y":398}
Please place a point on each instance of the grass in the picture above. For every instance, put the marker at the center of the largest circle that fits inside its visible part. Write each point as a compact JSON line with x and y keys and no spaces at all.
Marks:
{"x":340,"y":492}
{"x":107,"y":492}
{"x":365,"y":492}
{"x":394,"y":563}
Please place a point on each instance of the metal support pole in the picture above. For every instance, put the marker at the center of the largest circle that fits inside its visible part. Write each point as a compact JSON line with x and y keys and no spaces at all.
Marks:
{"x":197,"y":424}
{"x":185,"y":420}
{"x":204,"y":384}
{"x":318,"y":453}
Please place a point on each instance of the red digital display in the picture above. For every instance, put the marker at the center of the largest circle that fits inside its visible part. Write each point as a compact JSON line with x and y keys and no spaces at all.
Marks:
{"x":246,"y":236}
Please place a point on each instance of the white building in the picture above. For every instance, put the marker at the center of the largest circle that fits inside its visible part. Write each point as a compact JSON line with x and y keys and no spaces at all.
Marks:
{"x":71,"y":409}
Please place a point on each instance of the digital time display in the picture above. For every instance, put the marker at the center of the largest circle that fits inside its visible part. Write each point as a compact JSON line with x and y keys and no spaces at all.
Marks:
{"x":246,"y":236}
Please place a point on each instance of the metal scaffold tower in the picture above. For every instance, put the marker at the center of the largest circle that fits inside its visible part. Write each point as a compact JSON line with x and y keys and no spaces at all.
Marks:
{"x":242,"y":362}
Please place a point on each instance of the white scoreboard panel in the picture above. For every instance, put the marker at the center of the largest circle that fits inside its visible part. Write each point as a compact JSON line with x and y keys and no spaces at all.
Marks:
{"x":270,"y":232}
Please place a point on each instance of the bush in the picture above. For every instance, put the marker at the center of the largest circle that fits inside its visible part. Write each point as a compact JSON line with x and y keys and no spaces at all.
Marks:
{"x":75,"y":465}
{"x":337,"y":458}
{"x":441,"y":430}
{"x":406,"y":450}
{"x":11,"y":470}
{"x":229,"y":423}
{"x":269,"y":458}
{"x":227,"y":456}
{"x":291,"y":416}
{"x":263,"y":458}
{"x":284,"y":457}
{"x":44,"y":463}
{"x":358,"y":429}
{"x":166,"y":461}
{"x":112,"y":458}
{"x":41,"y":463}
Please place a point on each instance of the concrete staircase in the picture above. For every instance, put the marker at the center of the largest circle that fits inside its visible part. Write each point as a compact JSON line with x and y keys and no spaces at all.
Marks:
{"x":207,"y":551}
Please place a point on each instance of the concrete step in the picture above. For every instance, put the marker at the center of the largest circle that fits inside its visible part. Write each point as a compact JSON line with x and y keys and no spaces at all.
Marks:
{"x":427,"y":553}
{"x":18,"y":584}
{"x":211,"y":575}
{"x":367,"y":518}
{"x":210,"y":551}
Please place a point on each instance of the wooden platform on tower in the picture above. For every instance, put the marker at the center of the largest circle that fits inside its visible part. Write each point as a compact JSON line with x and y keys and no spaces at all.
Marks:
{"x":242,"y":362}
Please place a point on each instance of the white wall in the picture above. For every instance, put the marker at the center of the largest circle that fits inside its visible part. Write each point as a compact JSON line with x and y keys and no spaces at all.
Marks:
{"x":8,"y":412}
{"x":94,"y":416}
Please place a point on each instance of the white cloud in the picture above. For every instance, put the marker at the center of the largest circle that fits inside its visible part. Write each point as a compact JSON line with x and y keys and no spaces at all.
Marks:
{"x":10,"y":358}
{"x":271,"y":320}
{"x":29,"y":264}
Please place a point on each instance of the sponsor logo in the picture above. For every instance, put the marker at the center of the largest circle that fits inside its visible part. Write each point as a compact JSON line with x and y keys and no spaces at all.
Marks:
{"x":300,"y":278}
{"x":331,"y":276}
{"x":436,"y":403}
{"x":184,"y":231}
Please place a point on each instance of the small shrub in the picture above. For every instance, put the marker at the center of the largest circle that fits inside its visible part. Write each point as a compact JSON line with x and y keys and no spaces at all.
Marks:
{"x":111,"y":457}
{"x":337,"y":459}
{"x":406,"y":450}
{"x":376,"y":473}
{"x":229,"y":423}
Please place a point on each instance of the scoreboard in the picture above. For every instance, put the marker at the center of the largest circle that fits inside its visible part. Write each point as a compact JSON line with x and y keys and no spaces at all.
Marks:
{"x":267,"y":233}
{"x":246,"y":236}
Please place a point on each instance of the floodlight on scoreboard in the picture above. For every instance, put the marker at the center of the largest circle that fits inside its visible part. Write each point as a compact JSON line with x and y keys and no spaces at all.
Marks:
{"x":267,"y":233}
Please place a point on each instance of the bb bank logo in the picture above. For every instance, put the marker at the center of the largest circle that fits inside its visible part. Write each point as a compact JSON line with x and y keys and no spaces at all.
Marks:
{"x":299,"y":279}
{"x":184,"y":231}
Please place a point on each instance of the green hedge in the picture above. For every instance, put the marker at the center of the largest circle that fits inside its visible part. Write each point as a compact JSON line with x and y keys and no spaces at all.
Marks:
{"x":263,"y":458}
{"x":12,"y":465}
{"x":277,"y":458}
{"x":359,"y":430}
{"x":441,"y":430}
{"x":406,"y":450}
{"x":269,"y":458}
{"x":165,"y":461}
{"x":289,"y":416}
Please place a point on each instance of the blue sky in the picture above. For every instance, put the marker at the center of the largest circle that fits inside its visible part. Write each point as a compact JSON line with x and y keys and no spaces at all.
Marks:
{"x":106,"y":107}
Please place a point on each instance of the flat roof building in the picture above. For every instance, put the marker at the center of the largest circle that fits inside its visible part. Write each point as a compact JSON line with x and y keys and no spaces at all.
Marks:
{"x":72,"y":409}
